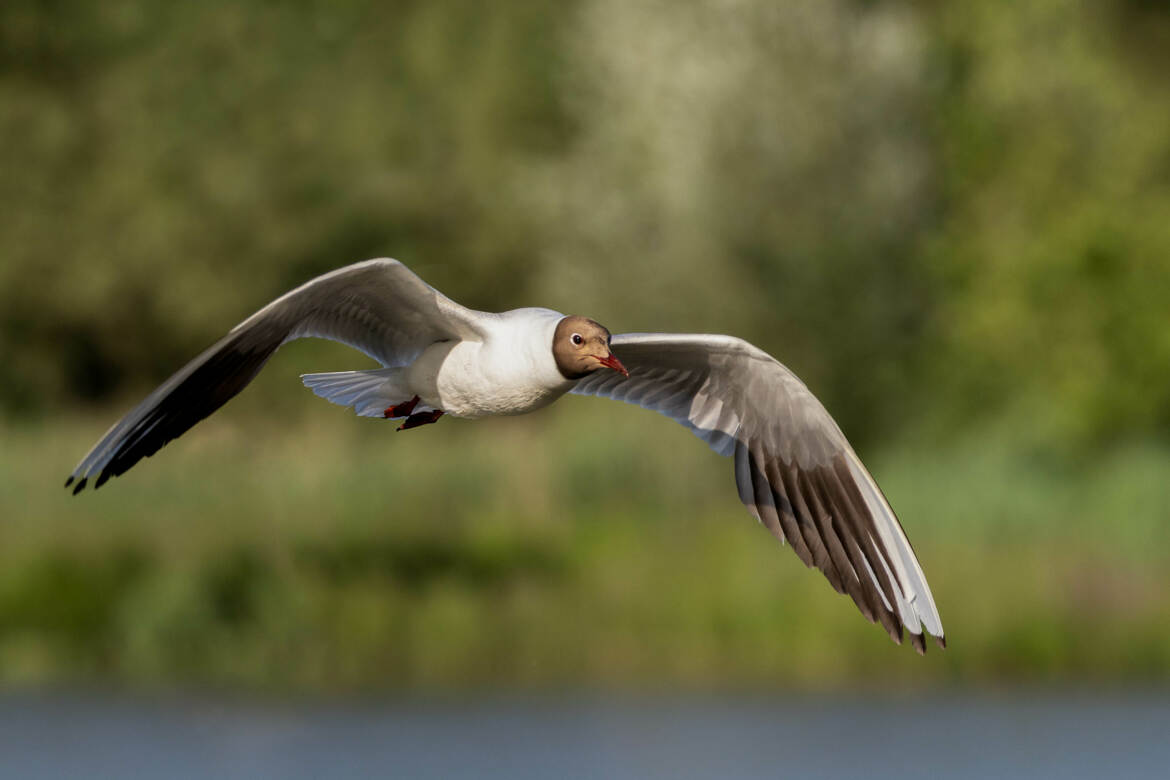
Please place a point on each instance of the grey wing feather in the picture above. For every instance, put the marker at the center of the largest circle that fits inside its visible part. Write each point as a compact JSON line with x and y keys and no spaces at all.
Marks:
{"x":794,"y":469}
{"x":379,"y":307}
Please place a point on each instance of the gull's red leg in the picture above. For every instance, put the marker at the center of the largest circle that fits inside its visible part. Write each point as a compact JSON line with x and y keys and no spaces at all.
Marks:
{"x":401,"y":410}
{"x":422,"y":418}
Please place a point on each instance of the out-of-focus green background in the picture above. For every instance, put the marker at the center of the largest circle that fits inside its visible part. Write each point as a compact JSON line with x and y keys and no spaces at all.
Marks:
{"x":952,"y":220}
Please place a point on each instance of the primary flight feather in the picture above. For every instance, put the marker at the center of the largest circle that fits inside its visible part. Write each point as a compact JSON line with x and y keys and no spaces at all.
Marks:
{"x":794,"y":469}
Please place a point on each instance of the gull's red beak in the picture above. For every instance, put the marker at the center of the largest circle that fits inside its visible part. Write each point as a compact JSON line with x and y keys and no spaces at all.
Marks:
{"x":611,"y":361}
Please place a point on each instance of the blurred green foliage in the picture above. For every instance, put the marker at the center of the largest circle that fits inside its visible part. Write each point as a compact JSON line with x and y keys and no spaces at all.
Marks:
{"x":481,"y":554}
{"x":170,"y":167}
{"x":951,"y":219}
{"x":965,"y":204}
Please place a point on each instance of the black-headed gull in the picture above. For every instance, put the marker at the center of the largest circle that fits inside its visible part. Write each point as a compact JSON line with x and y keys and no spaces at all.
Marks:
{"x":794,"y":469}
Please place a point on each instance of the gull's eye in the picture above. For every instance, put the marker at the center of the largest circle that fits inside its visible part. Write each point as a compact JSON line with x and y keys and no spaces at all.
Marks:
{"x":576,"y":339}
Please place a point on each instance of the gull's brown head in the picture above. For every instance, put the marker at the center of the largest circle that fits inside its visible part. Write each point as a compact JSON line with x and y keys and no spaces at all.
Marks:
{"x":581,"y":346}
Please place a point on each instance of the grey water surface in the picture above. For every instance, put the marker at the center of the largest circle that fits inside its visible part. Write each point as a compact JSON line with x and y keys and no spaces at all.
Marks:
{"x":957,"y":735}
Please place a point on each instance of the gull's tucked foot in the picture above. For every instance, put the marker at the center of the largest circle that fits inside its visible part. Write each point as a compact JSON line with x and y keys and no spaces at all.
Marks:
{"x":401,"y":410}
{"x":422,"y":418}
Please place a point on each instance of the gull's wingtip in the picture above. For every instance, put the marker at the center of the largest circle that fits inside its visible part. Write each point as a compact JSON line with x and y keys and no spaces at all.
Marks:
{"x":919,"y":641}
{"x":69,"y":481}
{"x":80,"y":485}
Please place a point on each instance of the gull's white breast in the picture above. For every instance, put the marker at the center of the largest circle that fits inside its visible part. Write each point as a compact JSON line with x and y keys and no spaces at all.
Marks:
{"x":511,"y":371}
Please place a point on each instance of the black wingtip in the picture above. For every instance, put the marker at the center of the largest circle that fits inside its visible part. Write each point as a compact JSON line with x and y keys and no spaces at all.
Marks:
{"x":895,"y":631}
{"x":941,"y":641}
{"x":919,"y":642}
{"x":105,"y":475}
{"x":69,"y":481}
{"x":80,"y":486}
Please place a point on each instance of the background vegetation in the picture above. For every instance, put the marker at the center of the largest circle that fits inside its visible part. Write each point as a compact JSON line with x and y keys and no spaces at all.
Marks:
{"x":952,"y":220}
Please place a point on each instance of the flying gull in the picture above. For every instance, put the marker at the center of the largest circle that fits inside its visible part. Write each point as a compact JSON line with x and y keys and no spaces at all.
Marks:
{"x":794,"y":470}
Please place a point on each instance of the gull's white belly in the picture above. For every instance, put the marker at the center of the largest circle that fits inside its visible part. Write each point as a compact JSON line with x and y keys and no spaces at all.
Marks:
{"x":477,"y":379}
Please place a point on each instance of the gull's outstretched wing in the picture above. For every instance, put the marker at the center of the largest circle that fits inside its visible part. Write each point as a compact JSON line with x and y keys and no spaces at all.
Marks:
{"x":794,"y":469}
{"x":379,"y":307}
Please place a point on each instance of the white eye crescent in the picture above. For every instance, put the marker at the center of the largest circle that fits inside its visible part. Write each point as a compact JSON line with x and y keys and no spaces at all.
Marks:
{"x":576,"y":339}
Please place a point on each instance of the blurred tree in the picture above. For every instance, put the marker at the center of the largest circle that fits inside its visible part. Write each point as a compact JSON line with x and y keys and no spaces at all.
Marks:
{"x":756,"y":168}
{"x":1054,"y":251}
{"x":931,"y":211}
{"x":167,"y":168}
